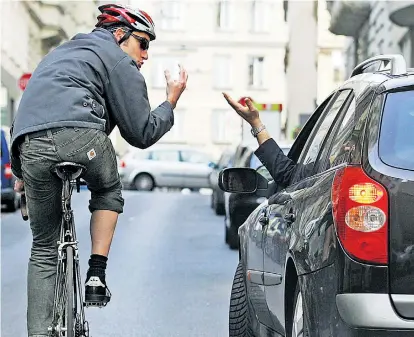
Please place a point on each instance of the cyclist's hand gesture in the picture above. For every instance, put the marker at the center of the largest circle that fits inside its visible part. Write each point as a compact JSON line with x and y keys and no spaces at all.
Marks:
{"x":249,"y":113}
{"x":176,"y":87}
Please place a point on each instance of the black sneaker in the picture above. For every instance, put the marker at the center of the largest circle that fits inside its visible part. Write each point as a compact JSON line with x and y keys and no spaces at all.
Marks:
{"x":96,"y":292}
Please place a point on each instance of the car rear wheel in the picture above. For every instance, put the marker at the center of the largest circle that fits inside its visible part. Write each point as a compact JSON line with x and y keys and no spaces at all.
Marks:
{"x":218,"y":207}
{"x":239,"y":319}
{"x":13,"y":205}
{"x":232,"y":235}
{"x":144,"y":182}
{"x":298,"y":321}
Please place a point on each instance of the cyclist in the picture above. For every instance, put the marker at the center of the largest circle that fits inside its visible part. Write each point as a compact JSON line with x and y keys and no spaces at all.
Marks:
{"x":76,"y":96}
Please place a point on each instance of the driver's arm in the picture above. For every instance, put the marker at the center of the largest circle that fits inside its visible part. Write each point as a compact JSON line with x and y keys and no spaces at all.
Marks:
{"x":280,"y":167}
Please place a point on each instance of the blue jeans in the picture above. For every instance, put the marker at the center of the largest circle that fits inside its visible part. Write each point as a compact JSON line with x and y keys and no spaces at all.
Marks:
{"x":89,"y":147}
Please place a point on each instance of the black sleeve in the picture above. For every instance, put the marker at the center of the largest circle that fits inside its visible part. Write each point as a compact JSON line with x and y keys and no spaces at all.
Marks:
{"x":280,"y":167}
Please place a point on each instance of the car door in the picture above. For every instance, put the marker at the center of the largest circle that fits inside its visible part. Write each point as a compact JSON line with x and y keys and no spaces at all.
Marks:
{"x":290,"y":212}
{"x":197,"y":168}
{"x":166,"y":167}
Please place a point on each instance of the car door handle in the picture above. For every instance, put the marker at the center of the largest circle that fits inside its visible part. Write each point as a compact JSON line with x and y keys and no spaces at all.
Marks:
{"x":289,"y":218}
{"x":264,"y":218}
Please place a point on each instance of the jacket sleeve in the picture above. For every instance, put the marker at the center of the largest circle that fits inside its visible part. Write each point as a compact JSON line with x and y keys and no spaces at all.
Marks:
{"x":280,"y":167}
{"x":127,"y":99}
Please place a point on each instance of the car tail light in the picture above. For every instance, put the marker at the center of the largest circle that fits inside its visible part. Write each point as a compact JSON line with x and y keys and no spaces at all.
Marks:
{"x":122,"y":163}
{"x":7,"y":171}
{"x":360,"y":210}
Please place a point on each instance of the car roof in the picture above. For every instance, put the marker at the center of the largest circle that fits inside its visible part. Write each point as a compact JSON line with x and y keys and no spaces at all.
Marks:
{"x":399,"y":82}
{"x":385,"y":81}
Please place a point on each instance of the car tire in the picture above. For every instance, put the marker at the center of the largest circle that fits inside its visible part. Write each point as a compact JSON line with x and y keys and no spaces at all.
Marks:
{"x":226,"y":234}
{"x":144,"y":182}
{"x":13,"y":205}
{"x":232,"y":238}
{"x":218,"y":207}
{"x":239,"y":318}
{"x":298,"y":321}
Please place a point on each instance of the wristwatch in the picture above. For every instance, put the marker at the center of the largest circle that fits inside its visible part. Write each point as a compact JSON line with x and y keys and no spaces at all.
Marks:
{"x":256,"y":131}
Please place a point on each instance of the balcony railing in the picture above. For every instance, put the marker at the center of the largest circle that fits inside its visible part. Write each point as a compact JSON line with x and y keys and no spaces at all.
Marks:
{"x":401,"y":12}
{"x":347,"y":17}
{"x":49,"y":15}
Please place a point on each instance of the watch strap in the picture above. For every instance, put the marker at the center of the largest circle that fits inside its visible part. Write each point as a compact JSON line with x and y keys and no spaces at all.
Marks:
{"x":256,"y":131}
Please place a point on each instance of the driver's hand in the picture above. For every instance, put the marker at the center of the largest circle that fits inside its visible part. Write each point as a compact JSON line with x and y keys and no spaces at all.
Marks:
{"x":19,"y":185}
{"x":249,"y":113}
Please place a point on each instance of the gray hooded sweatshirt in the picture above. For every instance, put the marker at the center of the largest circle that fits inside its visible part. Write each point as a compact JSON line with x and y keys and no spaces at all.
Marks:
{"x":90,"y":82}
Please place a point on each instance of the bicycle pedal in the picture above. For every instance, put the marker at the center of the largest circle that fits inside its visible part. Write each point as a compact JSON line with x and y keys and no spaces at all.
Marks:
{"x":94,"y":304}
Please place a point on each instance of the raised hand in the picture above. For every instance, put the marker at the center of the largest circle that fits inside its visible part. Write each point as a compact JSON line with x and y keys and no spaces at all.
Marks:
{"x":175,"y":87}
{"x":249,"y":113}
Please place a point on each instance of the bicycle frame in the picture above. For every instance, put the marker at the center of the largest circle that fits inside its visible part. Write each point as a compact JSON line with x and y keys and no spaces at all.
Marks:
{"x":68,"y":239}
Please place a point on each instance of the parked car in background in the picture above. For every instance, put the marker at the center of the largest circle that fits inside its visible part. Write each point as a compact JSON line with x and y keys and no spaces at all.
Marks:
{"x":330,"y":254}
{"x":217,"y":195}
{"x":238,"y":206}
{"x":9,"y":198}
{"x":165,"y":166}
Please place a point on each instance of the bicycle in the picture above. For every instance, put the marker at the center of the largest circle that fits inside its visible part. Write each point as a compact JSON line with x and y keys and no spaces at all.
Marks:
{"x":68,"y":305}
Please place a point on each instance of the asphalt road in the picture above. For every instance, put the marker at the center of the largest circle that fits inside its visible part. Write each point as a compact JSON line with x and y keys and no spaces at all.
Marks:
{"x":169,"y":271}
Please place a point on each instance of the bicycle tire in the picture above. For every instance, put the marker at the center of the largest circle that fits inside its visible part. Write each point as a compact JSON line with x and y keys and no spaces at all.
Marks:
{"x":70,"y":317}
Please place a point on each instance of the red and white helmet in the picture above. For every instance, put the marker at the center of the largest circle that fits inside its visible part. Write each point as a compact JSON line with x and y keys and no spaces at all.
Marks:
{"x":135,"y":19}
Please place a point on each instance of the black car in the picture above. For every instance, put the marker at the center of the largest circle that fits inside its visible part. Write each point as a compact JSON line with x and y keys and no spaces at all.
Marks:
{"x":238,"y":206}
{"x":217,"y":195}
{"x":330,"y":255}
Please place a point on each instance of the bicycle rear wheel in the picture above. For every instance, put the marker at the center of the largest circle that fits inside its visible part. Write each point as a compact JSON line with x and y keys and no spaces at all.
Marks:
{"x":69,"y":312}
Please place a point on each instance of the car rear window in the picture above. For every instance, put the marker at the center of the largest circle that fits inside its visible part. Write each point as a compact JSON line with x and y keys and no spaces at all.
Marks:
{"x":396,"y":142}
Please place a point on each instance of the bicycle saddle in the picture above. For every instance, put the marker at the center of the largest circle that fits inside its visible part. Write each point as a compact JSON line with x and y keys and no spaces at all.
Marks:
{"x":69,"y":169}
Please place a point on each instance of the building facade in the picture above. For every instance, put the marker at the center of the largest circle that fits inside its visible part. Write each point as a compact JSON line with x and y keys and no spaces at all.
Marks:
{"x":42,"y":25}
{"x":374,"y":27}
{"x":314,"y":61}
{"x":232,"y":46}
{"x":277,"y":52}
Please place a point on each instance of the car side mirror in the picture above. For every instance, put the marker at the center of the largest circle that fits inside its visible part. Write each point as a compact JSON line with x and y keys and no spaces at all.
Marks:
{"x":241,"y":180}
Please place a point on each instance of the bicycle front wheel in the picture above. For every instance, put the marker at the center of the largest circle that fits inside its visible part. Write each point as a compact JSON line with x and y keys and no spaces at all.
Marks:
{"x":70,"y":290}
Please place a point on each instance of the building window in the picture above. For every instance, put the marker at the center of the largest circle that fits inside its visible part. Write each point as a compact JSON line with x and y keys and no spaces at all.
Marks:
{"x":222,"y":72}
{"x":226,"y":126}
{"x":176,"y":133}
{"x":260,"y":14}
{"x":160,"y":64}
{"x":172,"y":15}
{"x":256,"y":71}
{"x":224,"y":18}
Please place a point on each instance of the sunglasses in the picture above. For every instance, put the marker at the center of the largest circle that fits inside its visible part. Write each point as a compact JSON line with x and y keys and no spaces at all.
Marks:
{"x":144,"y":43}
